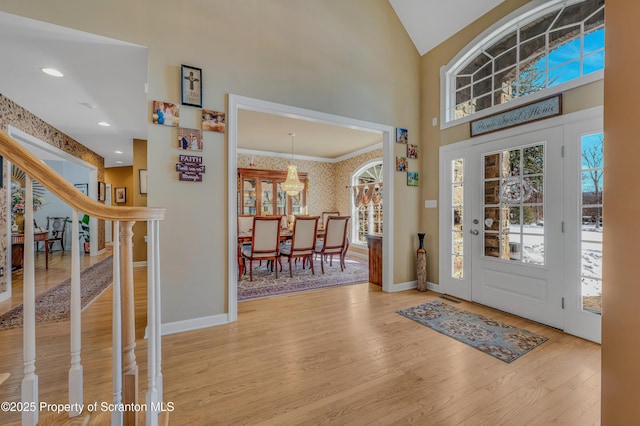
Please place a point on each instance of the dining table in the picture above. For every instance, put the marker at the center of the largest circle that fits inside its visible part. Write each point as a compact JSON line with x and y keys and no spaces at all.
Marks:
{"x":17,"y":248}
{"x":247,"y":237}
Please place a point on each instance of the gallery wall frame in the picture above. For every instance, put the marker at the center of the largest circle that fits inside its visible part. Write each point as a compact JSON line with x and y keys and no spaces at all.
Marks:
{"x":83,"y":187}
{"x":120,"y":194}
{"x":144,"y":181}
{"x":191,"y":81}
{"x":101,"y":191}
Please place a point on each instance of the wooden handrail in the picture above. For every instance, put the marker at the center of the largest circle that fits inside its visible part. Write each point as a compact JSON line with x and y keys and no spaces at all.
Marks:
{"x":47,"y":177}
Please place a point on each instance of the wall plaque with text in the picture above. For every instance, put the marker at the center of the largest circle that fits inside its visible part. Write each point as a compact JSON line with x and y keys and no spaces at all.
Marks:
{"x":539,"y":110}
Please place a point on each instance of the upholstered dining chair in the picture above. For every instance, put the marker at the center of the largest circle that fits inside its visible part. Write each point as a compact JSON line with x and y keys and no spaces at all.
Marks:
{"x":335,"y":240}
{"x":303,"y":241}
{"x":57,"y":227}
{"x":325,"y":216}
{"x":265,"y":242}
{"x":245,"y":225}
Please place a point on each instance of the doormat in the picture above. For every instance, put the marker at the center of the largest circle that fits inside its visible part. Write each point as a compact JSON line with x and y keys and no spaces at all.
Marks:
{"x":54,"y":304}
{"x":497,"y":339}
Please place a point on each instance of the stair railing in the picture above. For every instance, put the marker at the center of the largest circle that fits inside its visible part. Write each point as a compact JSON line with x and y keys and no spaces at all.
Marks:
{"x":125,"y":368}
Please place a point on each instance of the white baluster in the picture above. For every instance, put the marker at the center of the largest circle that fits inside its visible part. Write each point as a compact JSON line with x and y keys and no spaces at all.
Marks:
{"x":152,"y":392}
{"x":76,"y":371}
{"x":116,"y":415}
{"x":156,"y":268}
{"x":30,"y":380}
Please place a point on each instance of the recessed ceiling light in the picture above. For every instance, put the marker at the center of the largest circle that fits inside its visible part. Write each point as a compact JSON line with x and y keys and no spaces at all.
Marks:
{"x":104,"y":124}
{"x":118,"y":152}
{"x":118,"y":162}
{"x":52,"y":72}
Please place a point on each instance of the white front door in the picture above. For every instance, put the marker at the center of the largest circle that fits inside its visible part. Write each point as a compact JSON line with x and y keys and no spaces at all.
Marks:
{"x":516,"y":228}
{"x":521,"y":222}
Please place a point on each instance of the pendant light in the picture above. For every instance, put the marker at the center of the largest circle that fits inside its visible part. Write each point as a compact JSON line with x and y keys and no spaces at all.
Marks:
{"x":292,"y":185}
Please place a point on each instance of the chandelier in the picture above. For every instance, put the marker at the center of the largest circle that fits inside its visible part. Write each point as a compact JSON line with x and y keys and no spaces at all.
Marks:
{"x":292,"y":185}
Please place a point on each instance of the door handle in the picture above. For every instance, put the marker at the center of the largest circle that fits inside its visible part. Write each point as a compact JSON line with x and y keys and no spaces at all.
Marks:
{"x":474,"y":232}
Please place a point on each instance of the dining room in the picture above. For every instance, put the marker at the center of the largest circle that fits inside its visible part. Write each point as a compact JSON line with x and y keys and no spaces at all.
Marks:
{"x":328,"y":162}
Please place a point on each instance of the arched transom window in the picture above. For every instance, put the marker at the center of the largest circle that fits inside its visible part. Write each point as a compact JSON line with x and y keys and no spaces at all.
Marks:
{"x":541,"y":49}
{"x":367,"y":201}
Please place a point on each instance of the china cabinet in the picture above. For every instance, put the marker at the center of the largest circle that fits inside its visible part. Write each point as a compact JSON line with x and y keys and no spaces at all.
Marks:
{"x":260,"y":193}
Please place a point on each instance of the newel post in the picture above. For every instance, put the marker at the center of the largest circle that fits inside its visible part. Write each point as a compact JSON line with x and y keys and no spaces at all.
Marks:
{"x":129,"y":366}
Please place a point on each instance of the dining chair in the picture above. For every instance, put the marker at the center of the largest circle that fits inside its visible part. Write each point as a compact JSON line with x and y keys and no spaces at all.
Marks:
{"x":303,"y":241}
{"x":335,"y":240}
{"x":57,"y":227}
{"x":265,"y":242}
{"x":245,"y":225}
{"x":325,"y":216}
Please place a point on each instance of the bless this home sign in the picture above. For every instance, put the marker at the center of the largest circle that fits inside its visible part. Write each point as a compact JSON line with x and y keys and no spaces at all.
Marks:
{"x":190,"y":168}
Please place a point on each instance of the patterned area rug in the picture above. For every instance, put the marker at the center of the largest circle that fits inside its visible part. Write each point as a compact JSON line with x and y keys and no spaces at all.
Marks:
{"x":492,"y":337}
{"x":265,"y":284}
{"x":53,"y":304}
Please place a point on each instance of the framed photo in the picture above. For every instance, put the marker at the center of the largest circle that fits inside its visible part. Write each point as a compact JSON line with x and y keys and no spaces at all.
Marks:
{"x":190,"y":139}
{"x":120,"y":194}
{"x":412,"y":178}
{"x":101,"y":191}
{"x":83,"y":187}
{"x":401,"y":164}
{"x":143,"y":181}
{"x":191,"y":78}
{"x":402,"y":135}
{"x":166,"y":113}
{"x":213,"y":120}
{"x":412,"y":151}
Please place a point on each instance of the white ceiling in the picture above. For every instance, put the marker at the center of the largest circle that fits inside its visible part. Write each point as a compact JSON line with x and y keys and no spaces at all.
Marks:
{"x":430,"y":22}
{"x":100,"y":73}
{"x":270,"y":133}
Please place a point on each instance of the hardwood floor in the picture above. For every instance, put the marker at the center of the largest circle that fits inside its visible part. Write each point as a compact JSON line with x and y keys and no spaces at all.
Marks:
{"x":333,"y":356}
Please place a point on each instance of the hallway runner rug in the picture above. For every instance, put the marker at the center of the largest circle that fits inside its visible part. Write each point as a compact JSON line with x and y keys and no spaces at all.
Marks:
{"x":489,"y":336}
{"x":265,"y":284}
{"x":53,"y":304}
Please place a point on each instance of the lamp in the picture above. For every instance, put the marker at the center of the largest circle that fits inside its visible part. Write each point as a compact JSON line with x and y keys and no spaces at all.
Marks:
{"x":292,"y":185}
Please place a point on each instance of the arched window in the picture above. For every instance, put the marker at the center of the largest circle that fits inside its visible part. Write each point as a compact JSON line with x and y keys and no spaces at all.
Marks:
{"x":538,"y":50}
{"x":366,"y":203}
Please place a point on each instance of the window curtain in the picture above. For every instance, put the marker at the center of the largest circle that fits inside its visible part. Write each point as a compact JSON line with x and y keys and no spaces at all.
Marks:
{"x":367,"y":193}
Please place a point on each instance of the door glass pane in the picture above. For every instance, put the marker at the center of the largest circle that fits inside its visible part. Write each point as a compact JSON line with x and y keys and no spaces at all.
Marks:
{"x":457,"y":238}
{"x":592,"y":224}
{"x":514,"y":205}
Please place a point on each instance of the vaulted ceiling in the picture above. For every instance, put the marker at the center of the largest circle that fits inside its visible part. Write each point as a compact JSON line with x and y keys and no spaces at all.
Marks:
{"x":96,"y":80}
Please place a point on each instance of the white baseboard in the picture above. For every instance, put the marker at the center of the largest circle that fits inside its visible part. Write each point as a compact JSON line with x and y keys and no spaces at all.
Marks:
{"x":363,"y":256}
{"x":403,"y":286}
{"x":5,"y":296}
{"x":409,"y":285}
{"x":141,"y":263}
{"x":434,"y":287}
{"x":193,"y":324}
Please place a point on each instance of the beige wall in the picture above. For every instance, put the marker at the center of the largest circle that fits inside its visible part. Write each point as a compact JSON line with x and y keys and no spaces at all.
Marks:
{"x":350,"y":58}
{"x":433,"y":138}
{"x":18,"y":117}
{"x":621,"y":293}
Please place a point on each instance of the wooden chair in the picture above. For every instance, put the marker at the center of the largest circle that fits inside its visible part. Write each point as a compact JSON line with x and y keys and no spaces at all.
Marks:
{"x":325,"y":216}
{"x":245,"y":225}
{"x":265,"y":241}
{"x":335,"y":240}
{"x":303,"y":241}
{"x":57,"y":227}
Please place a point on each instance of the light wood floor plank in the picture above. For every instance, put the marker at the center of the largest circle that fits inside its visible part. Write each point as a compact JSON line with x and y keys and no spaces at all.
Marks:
{"x":333,"y":356}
